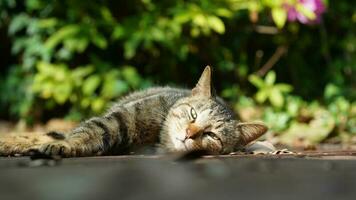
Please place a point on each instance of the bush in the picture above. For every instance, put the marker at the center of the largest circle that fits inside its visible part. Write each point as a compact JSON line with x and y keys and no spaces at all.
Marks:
{"x":76,"y":57}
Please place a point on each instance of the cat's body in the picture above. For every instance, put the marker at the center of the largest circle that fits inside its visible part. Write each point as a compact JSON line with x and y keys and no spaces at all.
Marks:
{"x":173,"y":119}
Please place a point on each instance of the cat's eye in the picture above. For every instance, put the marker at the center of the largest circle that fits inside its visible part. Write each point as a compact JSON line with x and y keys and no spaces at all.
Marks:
{"x":212,"y":135}
{"x":193,"y":113}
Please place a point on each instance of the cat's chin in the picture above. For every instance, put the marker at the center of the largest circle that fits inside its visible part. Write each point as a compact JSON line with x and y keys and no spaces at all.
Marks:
{"x":179,"y":144}
{"x":189,"y":145}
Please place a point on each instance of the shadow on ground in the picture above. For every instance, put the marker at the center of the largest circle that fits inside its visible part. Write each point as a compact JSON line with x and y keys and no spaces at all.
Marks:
{"x":140,"y":177}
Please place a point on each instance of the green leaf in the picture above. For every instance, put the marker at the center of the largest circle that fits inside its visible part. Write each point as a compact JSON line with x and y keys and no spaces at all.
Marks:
{"x":64,"y":54}
{"x":62,"y":34}
{"x":130,"y":47}
{"x":256,"y":81}
{"x":223,"y":12}
{"x":91,"y":84}
{"x":62,"y":92}
{"x":273,"y":3}
{"x":61,"y":74}
{"x":261,"y":96}
{"x":216,"y":24}
{"x":100,"y":41}
{"x":47,"y":23}
{"x":118,"y":32}
{"x":270,"y":78}
{"x":98,"y":105}
{"x":200,"y":20}
{"x":34,"y":4}
{"x":19,"y":44}
{"x":279,"y":16}
{"x":121,"y":87}
{"x":293,"y":106}
{"x":331,"y":90}
{"x":82,"y":44}
{"x":81,"y":72}
{"x":106,"y":13}
{"x":130,"y":74}
{"x":85,"y":102}
{"x":48,"y":69}
{"x":276,"y":98}
{"x":45,"y":88}
{"x":278,"y":121}
{"x":283,"y":87}
{"x":182,"y":17}
{"x":194,"y":32}
{"x":112,"y":85}
{"x":18,"y":22}
{"x":342,"y":104}
{"x":76,"y":44}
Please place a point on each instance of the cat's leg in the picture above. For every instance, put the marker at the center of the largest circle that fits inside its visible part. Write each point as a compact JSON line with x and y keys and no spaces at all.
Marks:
{"x":96,"y":136}
{"x":20,"y":144}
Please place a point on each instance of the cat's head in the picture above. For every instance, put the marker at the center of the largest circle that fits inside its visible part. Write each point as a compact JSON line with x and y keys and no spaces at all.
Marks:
{"x":202,"y":121}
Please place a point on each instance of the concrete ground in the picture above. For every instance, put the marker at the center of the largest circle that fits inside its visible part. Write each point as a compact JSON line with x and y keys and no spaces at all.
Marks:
{"x":153,"y":177}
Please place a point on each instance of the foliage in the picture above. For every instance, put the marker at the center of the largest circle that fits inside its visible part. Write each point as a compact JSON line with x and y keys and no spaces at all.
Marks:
{"x":300,"y":123}
{"x":267,"y":89}
{"x":81,"y":87}
{"x":73,"y":58}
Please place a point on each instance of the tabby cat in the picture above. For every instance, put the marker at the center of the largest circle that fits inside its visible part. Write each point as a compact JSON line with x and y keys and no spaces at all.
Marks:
{"x":174,"y":119}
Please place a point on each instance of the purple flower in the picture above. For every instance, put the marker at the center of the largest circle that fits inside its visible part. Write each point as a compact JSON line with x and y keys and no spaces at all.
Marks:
{"x":316,"y":7}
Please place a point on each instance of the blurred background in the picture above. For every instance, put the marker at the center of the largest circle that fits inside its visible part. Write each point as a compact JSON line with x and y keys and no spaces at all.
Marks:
{"x":289,"y":63}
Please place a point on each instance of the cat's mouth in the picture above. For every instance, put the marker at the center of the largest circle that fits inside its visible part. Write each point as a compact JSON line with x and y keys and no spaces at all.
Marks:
{"x":187,"y":144}
{"x":182,"y":141}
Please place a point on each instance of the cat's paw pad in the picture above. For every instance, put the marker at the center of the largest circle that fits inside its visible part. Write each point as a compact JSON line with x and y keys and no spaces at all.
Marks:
{"x":61,"y":148}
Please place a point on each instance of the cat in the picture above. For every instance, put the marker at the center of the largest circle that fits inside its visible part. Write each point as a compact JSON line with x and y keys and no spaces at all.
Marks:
{"x":175,"y":120}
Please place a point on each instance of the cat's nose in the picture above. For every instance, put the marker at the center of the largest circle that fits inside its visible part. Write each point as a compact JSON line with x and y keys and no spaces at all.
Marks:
{"x":193,"y":131}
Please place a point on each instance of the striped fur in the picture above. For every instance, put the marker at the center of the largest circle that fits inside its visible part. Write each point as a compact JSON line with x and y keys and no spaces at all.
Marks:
{"x":160,"y":116}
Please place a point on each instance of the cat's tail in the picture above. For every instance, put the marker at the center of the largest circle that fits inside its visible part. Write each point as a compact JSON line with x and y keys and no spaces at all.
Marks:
{"x":22,"y":144}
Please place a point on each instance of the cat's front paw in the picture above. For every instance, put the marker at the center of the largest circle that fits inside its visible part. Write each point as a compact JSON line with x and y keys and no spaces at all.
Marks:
{"x":61,"y":148}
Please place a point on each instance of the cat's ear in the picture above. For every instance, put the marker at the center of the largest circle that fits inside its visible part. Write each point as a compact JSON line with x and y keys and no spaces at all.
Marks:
{"x":204,"y":86}
{"x":250,"y":131}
